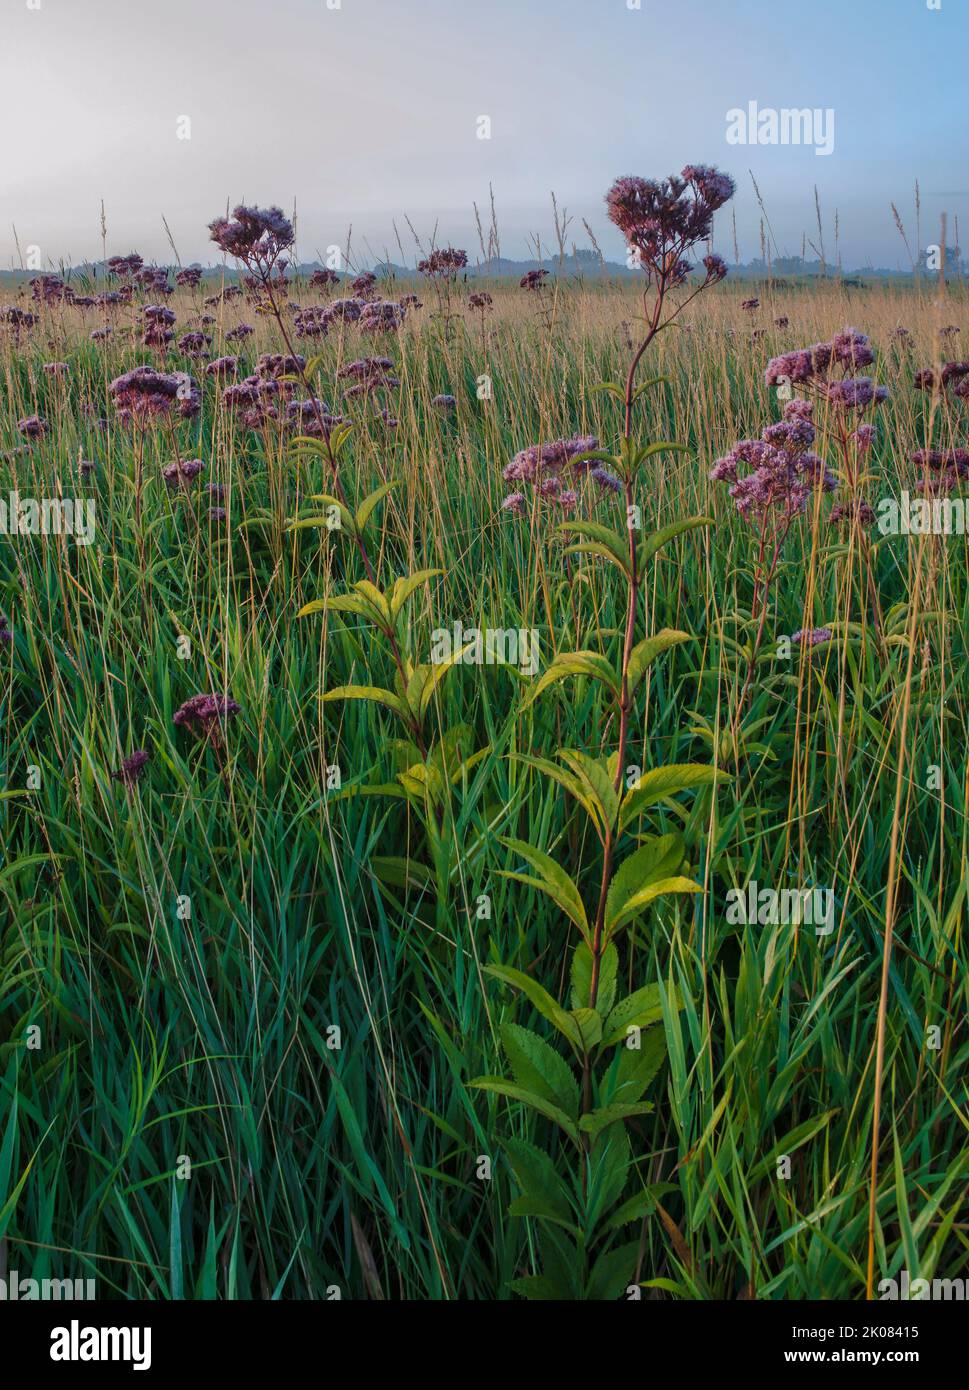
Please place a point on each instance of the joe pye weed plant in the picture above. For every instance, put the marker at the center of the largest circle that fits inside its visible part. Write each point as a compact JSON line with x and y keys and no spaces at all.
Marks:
{"x":616,"y":1044}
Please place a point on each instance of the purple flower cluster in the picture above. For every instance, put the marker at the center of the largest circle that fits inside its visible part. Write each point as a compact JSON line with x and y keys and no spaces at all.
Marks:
{"x":530,"y":464}
{"x":182,"y":472}
{"x":17,"y":318}
{"x":952,"y":376}
{"x":942,"y":470}
{"x":783,"y":470}
{"x":533,"y":280}
{"x":368,"y":374}
{"x":662,"y":220}
{"x":222,"y":367}
{"x":363,"y":285}
{"x":50,"y":289}
{"x":815,"y":367}
{"x":381,"y":316}
{"x":277,"y":364}
{"x":131,"y":769}
{"x":255,"y":397}
{"x":255,"y":236}
{"x":311,"y":322}
{"x":812,"y":636}
{"x":206,"y":714}
{"x":343,"y":311}
{"x":143,"y":393}
{"x":444,"y":263}
{"x":324,"y":279}
{"x":125,"y":266}
{"x":311,"y":418}
{"x":541,"y":466}
{"x":194,"y":344}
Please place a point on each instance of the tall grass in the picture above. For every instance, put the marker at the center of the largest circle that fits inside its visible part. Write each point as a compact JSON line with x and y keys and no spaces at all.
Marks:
{"x":187,"y":948}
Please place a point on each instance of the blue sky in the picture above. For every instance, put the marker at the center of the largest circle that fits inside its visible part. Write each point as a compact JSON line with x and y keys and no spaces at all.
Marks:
{"x":368,"y":111}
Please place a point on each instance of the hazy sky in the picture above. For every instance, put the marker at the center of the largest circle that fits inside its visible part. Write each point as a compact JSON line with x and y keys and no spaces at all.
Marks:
{"x":369,"y":111}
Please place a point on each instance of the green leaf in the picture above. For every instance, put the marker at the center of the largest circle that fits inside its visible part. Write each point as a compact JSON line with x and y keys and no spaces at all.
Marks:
{"x":663,"y":446}
{"x":501,"y":1087}
{"x":598,"y":781}
{"x":638,"y":903}
{"x":654,"y":542}
{"x":653,"y":863}
{"x":648,"y":385}
{"x":408,"y":874}
{"x":542,"y":1209}
{"x":538,"y":1067}
{"x":539,"y":997}
{"x":605,"y":538}
{"x":571,"y":784}
{"x":576,"y":664}
{"x":637,"y":1010}
{"x":537,"y":1177}
{"x":405,"y":586}
{"x":635,"y":1067}
{"x":594,"y":456}
{"x":661,"y":782}
{"x":377,"y":601}
{"x":582,"y":977}
{"x":304,"y":523}
{"x":610,"y":1158}
{"x":432,"y":677}
{"x":366,"y":507}
{"x":371,"y":692}
{"x":540,"y":1289}
{"x":645,"y":653}
{"x":638,"y":1206}
{"x":553,"y":880}
{"x":595,"y":1121}
{"x":612,"y":1272}
{"x":589,"y":1024}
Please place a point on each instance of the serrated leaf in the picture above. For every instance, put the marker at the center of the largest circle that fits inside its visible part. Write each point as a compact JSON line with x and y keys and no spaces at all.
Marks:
{"x":638,"y":1010}
{"x":654,"y":862}
{"x":538,"y":1067}
{"x":537,"y":1177}
{"x":591,"y":664}
{"x":672,"y":887}
{"x":648,"y":385}
{"x":654,"y":542}
{"x":598,"y":781}
{"x":582,"y":977}
{"x":537,"y":995}
{"x":635,"y":1067}
{"x":565,"y":779}
{"x":595,"y":1121}
{"x":612,"y":1272}
{"x":589,"y":1024}
{"x":602,"y":536}
{"x":661,"y":782}
{"x":337,"y":603}
{"x":510,"y":1091}
{"x":645,"y":653}
{"x":553,"y":880}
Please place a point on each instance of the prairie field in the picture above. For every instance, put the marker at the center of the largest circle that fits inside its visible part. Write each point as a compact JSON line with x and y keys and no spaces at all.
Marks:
{"x":345,"y":989}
